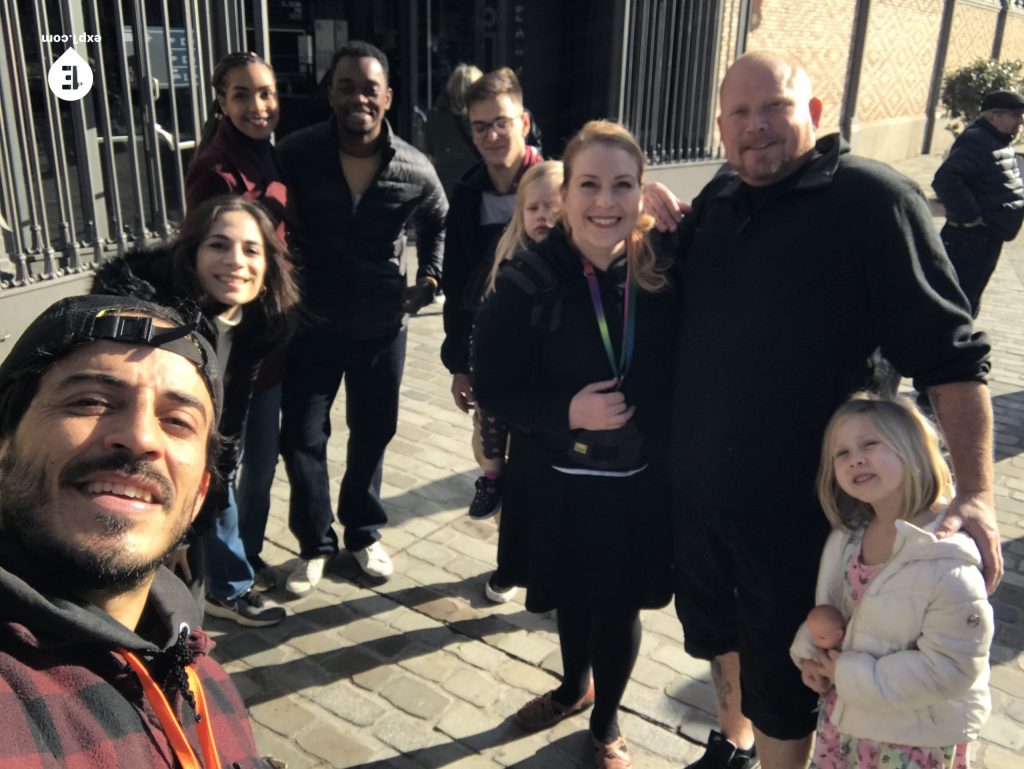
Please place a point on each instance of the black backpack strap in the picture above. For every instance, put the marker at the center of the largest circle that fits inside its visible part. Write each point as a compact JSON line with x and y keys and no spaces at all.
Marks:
{"x":531,"y":273}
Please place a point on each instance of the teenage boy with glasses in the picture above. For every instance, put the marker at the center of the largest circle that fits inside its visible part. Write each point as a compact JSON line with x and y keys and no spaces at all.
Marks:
{"x":482,"y":204}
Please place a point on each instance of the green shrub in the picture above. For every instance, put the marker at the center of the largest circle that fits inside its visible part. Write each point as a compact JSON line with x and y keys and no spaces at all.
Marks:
{"x":963,"y":90}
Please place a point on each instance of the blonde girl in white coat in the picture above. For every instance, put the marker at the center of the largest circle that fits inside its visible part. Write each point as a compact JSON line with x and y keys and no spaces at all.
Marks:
{"x":908,"y":689}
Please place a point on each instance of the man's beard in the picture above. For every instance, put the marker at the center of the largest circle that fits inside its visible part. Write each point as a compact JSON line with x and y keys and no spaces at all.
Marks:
{"x":104,"y":565}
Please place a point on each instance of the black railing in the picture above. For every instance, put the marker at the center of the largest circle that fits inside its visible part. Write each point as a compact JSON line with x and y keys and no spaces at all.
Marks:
{"x":81,"y":179}
{"x":673,"y":59}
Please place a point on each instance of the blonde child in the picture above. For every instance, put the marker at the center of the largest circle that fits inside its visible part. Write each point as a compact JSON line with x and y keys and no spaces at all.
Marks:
{"x":537,"y":202}
{"x":908,"y":687}
{"x":537,"y":205}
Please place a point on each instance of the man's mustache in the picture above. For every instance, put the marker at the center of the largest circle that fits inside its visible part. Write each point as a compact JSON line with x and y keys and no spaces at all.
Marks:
{"x":123,"y":463}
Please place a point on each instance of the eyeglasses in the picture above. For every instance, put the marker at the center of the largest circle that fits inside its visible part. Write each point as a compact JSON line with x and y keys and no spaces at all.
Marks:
{"x":500,"y":125}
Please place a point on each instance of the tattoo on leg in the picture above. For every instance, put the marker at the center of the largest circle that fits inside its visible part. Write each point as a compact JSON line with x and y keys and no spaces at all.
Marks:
{"x":722,"y":687}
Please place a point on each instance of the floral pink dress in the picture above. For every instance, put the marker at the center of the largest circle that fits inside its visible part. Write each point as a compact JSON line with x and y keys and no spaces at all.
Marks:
{"x":833,"y":750}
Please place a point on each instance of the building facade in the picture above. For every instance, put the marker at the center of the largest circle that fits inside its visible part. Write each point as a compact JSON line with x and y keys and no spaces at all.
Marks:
{"x":84,"y":179}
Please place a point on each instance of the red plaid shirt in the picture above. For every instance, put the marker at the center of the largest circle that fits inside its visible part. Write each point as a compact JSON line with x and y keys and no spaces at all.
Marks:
{"x":79,"y":706}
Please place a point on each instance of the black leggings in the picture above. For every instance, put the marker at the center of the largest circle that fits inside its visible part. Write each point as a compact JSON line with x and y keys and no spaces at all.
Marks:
{"x":493,"y":436}
{"x":610,"y":646}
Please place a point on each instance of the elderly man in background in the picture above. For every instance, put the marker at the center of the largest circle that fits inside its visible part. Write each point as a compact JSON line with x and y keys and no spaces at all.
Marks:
{"x":980,"y":187}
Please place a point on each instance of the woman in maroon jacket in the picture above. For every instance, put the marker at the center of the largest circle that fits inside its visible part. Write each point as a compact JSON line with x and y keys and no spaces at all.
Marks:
{"x":235,"y":156}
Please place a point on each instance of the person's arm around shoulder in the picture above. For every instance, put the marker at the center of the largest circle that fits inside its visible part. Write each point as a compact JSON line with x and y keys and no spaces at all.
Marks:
{"x":964,"y":412}
{"x":661,"y":203}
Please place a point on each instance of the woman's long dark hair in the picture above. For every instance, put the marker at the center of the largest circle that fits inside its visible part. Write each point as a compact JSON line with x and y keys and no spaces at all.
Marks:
{"x":219,"y":82}
{"x":270,"y":319}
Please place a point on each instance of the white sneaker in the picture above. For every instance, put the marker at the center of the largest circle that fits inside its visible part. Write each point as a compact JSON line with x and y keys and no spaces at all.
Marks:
{"x":306,"y":575}
{"x":374,"y":561}
{"x":499,"y":593}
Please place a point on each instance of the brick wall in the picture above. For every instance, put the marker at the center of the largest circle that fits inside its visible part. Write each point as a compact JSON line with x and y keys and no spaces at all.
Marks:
{"x":974,"y":29}
{"x":1013,"y":38}
{"x":899,"y":56}
{"x":816,"y":32}
{"x":898,"y":59}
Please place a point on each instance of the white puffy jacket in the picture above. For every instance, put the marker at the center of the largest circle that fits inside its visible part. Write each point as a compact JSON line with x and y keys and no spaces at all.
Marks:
{"x":914,"y":663}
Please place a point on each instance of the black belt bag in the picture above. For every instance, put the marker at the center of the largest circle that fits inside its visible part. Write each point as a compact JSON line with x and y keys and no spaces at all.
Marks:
{"x":621,"y":449}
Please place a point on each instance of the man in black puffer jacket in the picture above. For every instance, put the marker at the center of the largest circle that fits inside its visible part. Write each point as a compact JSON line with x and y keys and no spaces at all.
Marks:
{"x":352,"y":187}
{"x":980,"y":186}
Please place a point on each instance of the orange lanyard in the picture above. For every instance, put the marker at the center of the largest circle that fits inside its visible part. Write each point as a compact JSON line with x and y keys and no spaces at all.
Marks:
{"x":169,"y":721}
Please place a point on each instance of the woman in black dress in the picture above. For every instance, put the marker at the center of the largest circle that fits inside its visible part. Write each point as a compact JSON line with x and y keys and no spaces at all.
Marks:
{"x":571,"y":351}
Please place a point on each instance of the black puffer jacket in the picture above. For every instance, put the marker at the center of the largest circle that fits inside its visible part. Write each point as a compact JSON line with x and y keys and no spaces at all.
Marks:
{"x":981,"y":178}
{"x":133,"y":275}
{"x":353,"y":262}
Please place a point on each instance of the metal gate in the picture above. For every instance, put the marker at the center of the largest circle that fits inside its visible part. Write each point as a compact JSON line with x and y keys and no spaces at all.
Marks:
{"x":87,"y":178}
{"x":675,"y":53}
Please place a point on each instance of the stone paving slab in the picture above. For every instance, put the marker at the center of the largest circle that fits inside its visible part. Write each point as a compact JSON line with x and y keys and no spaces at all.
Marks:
{"x":424,"y":672}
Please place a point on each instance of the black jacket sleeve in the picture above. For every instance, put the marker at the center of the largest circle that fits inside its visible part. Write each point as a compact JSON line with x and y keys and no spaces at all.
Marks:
{"x":916,"y":297}
{"x":457,"y":266}
{"x":506,"y":349}
{"x":429,"y":220}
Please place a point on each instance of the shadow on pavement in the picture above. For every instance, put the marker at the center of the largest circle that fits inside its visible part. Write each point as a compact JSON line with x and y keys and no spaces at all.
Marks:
{"x":569,"y":752}
{"x":1008,"y":433}
{"x":347,"y":659}
{"x":1008,"y":606}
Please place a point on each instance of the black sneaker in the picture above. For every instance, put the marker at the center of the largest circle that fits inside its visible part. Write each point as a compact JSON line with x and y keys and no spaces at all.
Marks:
{"x":722,"y":754}
{"x":264,"y":575}
{"x":250,"y":609}
{"x":487,"y":499}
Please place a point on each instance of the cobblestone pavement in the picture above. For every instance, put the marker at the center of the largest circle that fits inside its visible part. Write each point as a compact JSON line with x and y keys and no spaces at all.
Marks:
{"x":424,"y":672}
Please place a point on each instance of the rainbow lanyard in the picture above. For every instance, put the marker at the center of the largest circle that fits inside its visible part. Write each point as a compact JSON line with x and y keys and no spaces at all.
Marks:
{"x":621,"y":366}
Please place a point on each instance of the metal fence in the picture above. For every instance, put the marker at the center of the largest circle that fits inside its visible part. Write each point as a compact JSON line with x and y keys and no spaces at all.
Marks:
{"x":673,"y":60}
{"x":80,"y":179}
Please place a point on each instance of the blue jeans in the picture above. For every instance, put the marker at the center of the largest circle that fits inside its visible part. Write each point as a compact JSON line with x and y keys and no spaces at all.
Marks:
{"x":259,"y":460}
{"x":228,"y":573}
{"x":372,"y":371}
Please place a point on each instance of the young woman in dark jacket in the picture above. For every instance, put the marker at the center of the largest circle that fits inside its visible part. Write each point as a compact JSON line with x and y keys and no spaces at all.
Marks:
{"x":578,"y":371}
{"x":235,"y":156}
{"x":225,"y":258}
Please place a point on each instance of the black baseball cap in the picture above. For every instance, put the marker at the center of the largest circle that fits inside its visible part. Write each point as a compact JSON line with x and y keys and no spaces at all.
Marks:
{"x":1010,"y":100}
{"x":79,"y":320}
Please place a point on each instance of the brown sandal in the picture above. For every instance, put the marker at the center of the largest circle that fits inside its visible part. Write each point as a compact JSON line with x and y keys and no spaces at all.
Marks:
{"x":544,"y":712}
{"x":613,"y":755}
